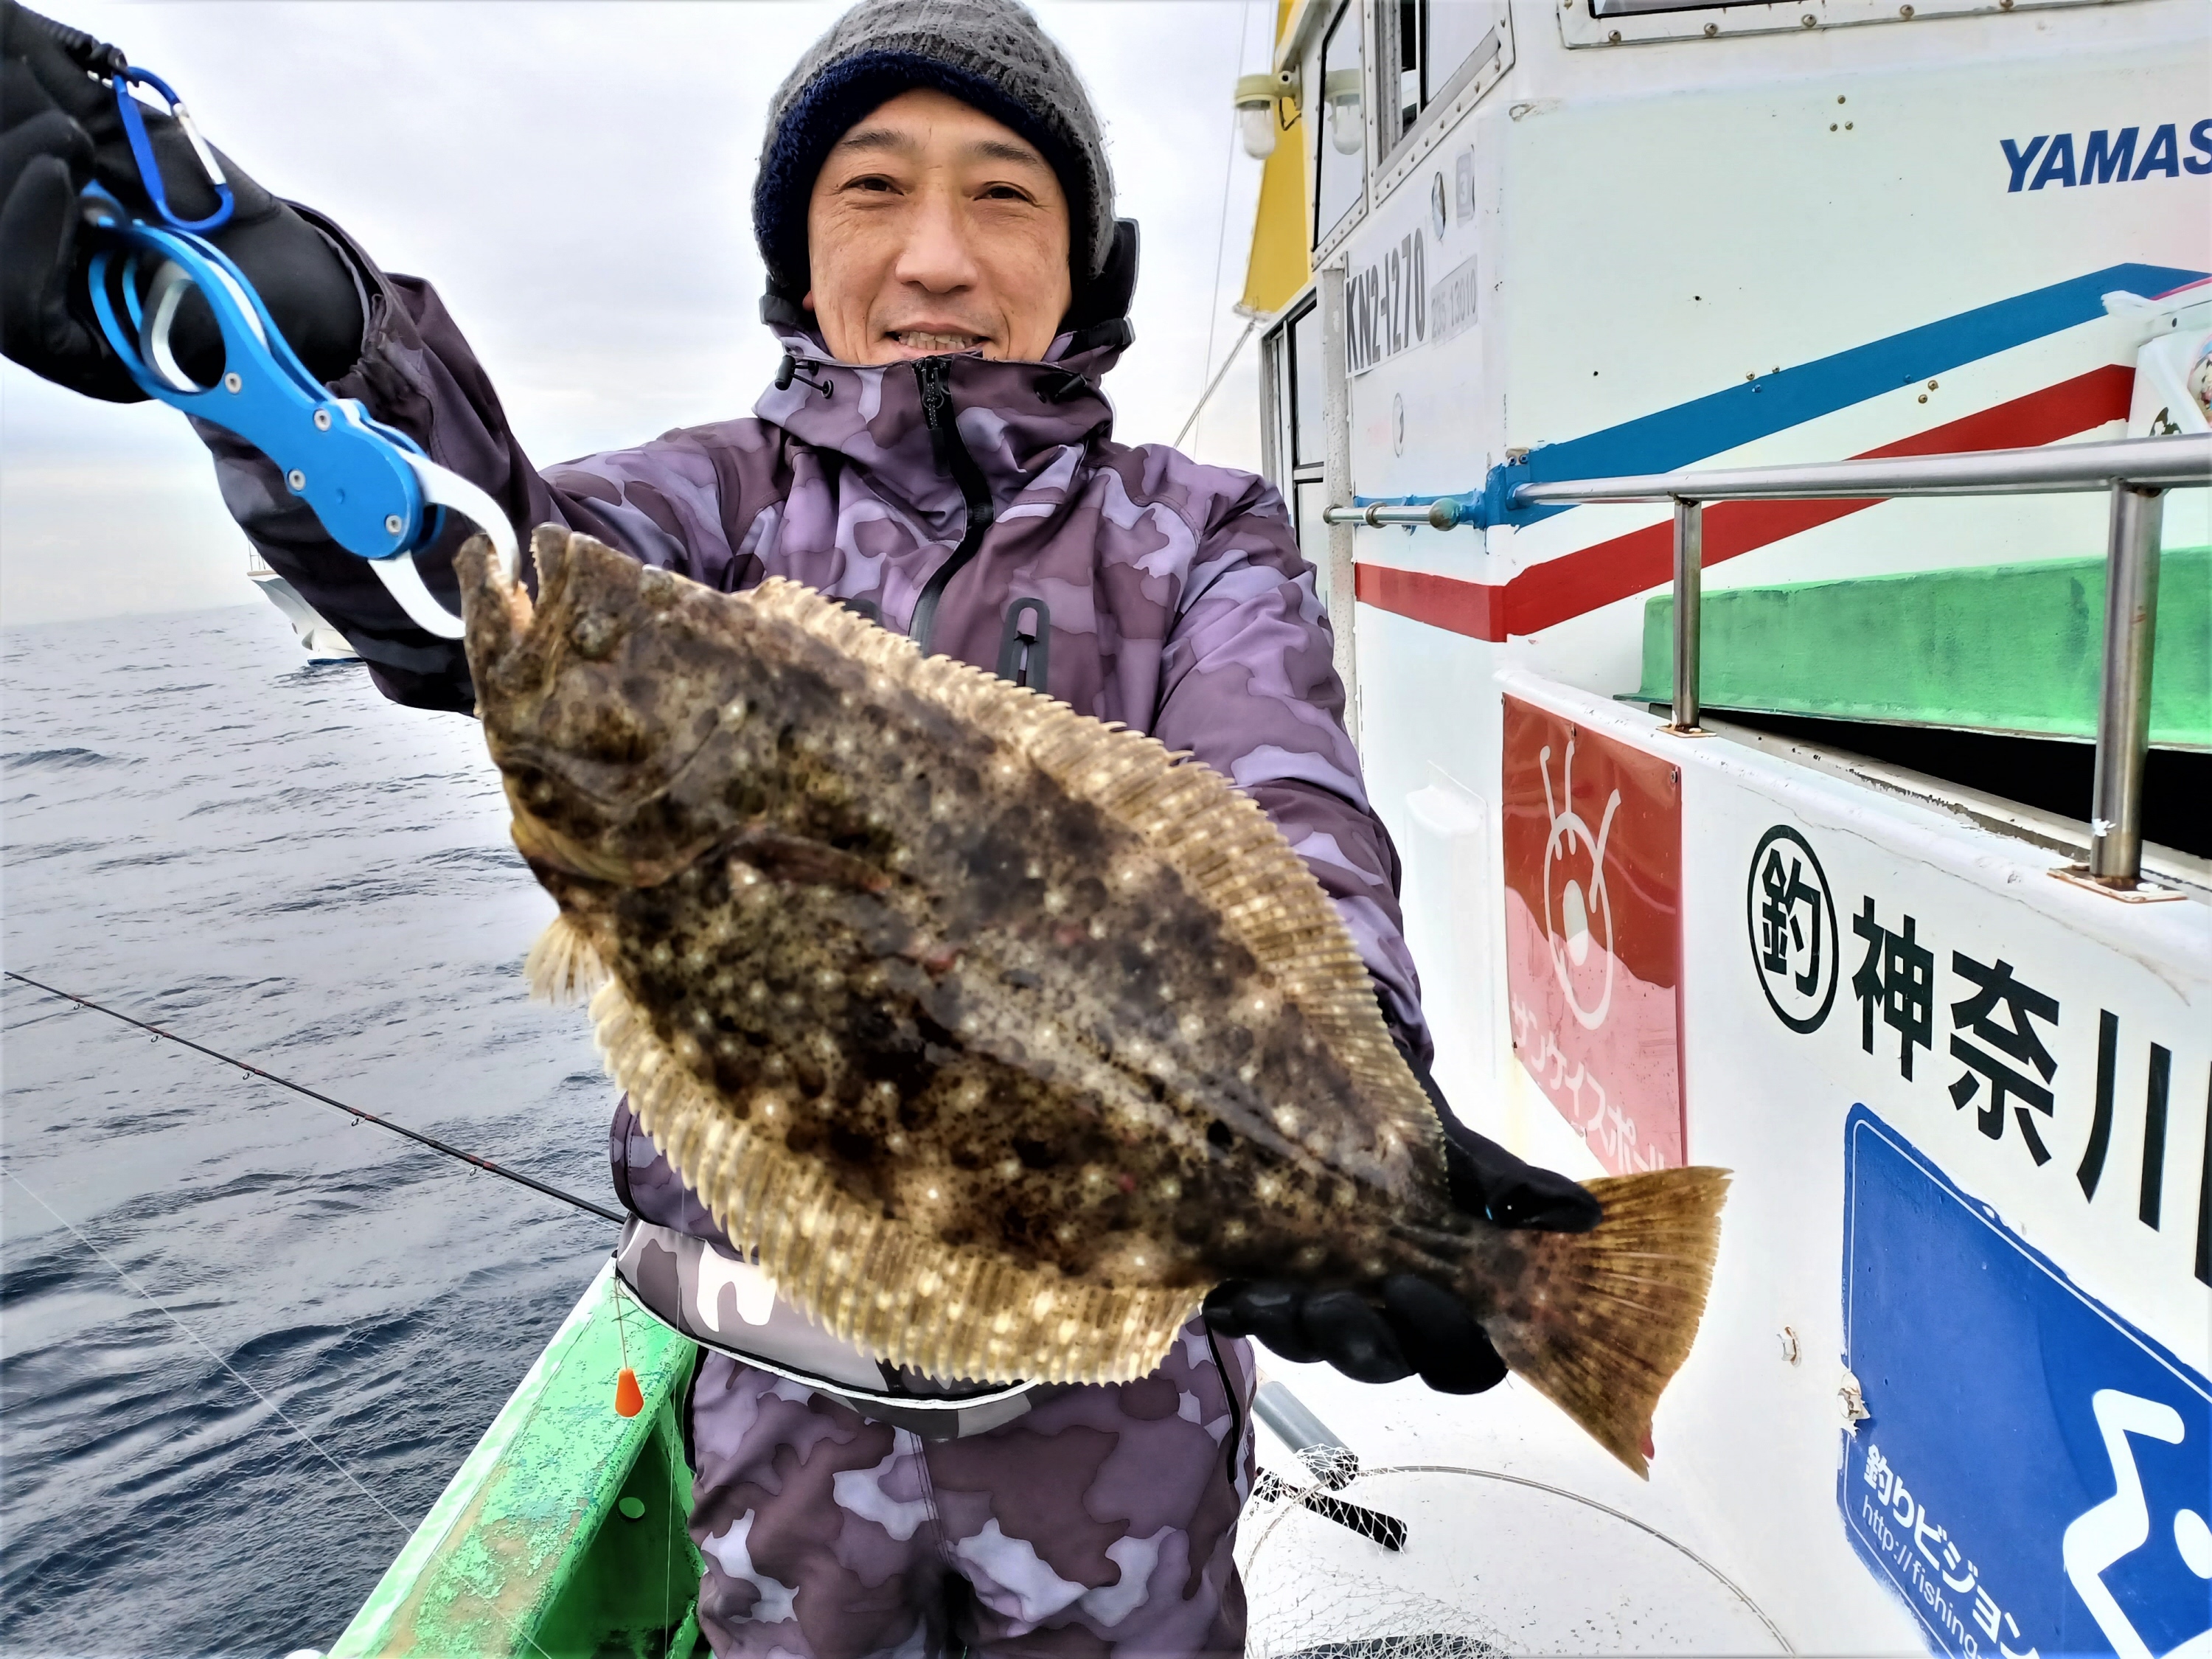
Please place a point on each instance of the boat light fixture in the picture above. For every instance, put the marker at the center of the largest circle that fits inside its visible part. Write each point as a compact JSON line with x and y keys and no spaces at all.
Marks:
{"x":1259,"y":98}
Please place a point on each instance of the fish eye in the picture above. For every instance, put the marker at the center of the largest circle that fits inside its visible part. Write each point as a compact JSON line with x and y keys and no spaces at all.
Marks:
{"x":1218,"y":1132}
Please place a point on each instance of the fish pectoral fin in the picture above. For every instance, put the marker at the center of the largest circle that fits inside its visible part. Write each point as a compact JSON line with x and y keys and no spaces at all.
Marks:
{"x":564,"y":967}
{"x":804,"y":863}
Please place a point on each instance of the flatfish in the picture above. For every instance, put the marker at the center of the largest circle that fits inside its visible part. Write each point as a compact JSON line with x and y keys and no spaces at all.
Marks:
{"x":996,"y":1034}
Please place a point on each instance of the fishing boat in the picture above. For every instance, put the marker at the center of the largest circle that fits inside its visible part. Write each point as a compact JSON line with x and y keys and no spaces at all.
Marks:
{"x":318,"y":638}
{"x":1756,"y":456}
{"x":563,"y":1532}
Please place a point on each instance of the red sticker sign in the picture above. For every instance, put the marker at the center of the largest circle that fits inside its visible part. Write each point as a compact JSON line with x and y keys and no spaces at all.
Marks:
{"x":1593,"y":834}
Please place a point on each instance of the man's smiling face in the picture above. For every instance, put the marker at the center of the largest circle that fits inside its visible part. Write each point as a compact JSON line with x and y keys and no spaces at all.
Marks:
{"x":934,"y":228}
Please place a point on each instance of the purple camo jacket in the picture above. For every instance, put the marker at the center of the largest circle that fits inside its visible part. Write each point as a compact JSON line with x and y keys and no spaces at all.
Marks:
{"x":981,"y":506}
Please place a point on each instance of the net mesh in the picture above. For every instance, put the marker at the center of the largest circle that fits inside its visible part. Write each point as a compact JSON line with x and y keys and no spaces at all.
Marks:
{"x":1323,"y":1584}
{"x":1433,"y":1561}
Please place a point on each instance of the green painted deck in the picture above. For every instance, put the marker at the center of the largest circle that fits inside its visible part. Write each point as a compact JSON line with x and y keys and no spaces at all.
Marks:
{"x":2009,"y":647}
{"x":562,"y":1533}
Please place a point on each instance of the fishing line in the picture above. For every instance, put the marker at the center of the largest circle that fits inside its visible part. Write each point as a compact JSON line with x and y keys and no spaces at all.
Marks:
{"x":140,"y":1290}
{"x":416,"y":1135}
{"x":319,"y":1448}
{"x":431,"y":1141}
{"x":1733,"y":1589}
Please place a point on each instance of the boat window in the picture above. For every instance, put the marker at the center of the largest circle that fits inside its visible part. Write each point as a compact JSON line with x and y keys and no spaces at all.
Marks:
{"x":1460,"y":32}
{"x":1308,"y":442}
{"x":1402,"y":65}
{"x":1313,"y":534}
{"x":1616,"y":22}
{"x":1293,"y":356}
{"x":1276,"y":408}
{"x":1341,"y":136}
{"x":1430,"y":49}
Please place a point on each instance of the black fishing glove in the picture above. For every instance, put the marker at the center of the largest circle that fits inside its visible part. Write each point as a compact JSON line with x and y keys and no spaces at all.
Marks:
{"x":1411,"y":1326}
{"x":60,"y":129}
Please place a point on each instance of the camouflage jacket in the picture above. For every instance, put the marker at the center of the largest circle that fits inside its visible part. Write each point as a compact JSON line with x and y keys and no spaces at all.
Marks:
{"x":981,"y":506}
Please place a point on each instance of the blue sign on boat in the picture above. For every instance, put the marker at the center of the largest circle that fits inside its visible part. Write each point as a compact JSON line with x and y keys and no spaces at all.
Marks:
{"x":2035,"y":1475}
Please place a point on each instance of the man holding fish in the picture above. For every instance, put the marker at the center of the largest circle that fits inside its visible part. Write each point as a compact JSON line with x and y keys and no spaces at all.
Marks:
{"x":950,"y":284}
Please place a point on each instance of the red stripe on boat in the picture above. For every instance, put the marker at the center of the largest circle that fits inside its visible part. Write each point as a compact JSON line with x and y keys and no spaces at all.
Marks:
{"x":1578,"y":582}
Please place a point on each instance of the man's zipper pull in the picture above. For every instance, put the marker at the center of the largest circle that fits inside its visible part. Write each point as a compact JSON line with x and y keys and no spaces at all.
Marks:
{"x":939,"y":415}
{"x":929,"y":374}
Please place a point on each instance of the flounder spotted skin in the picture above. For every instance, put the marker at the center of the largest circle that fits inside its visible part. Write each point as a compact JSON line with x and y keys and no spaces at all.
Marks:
{"x":999,"y":1035}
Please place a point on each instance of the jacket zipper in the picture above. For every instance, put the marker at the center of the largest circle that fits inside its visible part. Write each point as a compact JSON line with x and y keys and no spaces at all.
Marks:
{"x":940,"y":418}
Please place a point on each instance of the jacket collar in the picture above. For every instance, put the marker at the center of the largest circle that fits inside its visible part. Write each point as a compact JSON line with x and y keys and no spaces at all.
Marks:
{"x":1017,"y":419}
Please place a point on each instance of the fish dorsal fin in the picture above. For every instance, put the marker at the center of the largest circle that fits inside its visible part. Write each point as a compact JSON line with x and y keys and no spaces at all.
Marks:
{"x":1193,"y":819}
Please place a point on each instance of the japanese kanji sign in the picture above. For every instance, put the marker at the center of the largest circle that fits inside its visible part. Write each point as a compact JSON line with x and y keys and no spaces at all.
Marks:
{"x":1790,"y":917}
{"x":1984,"y":1036}
{"x":2015,"y":1036}
{"x":2031,"y":1477}
{"x":1895,"y":981}
{"x":1593,"y":843}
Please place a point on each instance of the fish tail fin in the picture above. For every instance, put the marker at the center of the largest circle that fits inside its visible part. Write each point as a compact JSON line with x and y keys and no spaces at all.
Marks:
{"x":1604,"y":1319}
{"x":564,"y":967}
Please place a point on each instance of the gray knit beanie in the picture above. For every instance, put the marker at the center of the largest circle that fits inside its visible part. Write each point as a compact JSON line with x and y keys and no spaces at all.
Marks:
{"x":989,"y":54}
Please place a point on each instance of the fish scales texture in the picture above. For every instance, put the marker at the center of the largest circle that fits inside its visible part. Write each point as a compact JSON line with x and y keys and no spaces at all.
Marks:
{"x":995,"y":1035}
{"x":921,"y":926}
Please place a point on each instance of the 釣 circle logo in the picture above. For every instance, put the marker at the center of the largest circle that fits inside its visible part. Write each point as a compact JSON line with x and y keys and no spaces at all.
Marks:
{"x":1791,"y":918}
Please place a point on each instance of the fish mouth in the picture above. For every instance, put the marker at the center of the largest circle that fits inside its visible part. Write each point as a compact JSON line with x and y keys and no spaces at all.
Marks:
{"x":570,"y":595}
{"x":509,"y":669}
{"x":529,"y":662}
{"x":542,"y":845}
{"x":496,"y":609}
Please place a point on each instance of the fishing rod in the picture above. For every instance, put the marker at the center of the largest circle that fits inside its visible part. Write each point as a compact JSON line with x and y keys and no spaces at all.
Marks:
{"x":416,"y":1135}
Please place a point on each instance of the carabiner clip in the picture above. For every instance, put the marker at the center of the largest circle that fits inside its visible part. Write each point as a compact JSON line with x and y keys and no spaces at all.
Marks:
{"x":134,"y":128}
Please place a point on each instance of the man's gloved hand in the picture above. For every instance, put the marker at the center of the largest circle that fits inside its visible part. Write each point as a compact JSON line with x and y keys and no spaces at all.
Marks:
{"x":60,"y":129}
{"x":1412,"y":1326}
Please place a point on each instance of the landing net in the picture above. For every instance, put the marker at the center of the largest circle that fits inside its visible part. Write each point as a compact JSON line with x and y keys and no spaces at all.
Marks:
{"x":1489,"y":1564}
{"x":1321,"y":1583}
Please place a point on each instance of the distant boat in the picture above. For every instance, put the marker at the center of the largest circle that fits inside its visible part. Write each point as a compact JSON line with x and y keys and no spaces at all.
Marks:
{"x":317,"y":637}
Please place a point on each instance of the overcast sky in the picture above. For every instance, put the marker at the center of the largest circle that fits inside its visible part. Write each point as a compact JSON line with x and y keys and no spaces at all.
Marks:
{"x":575,"y":178}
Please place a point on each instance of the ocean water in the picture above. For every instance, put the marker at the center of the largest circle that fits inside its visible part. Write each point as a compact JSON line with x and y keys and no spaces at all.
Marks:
{"x":203,"y":829}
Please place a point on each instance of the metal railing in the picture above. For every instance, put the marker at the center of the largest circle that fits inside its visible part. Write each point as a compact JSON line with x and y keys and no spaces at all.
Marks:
{"x":1446,"y":512}
{"x":2136,"y":471}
